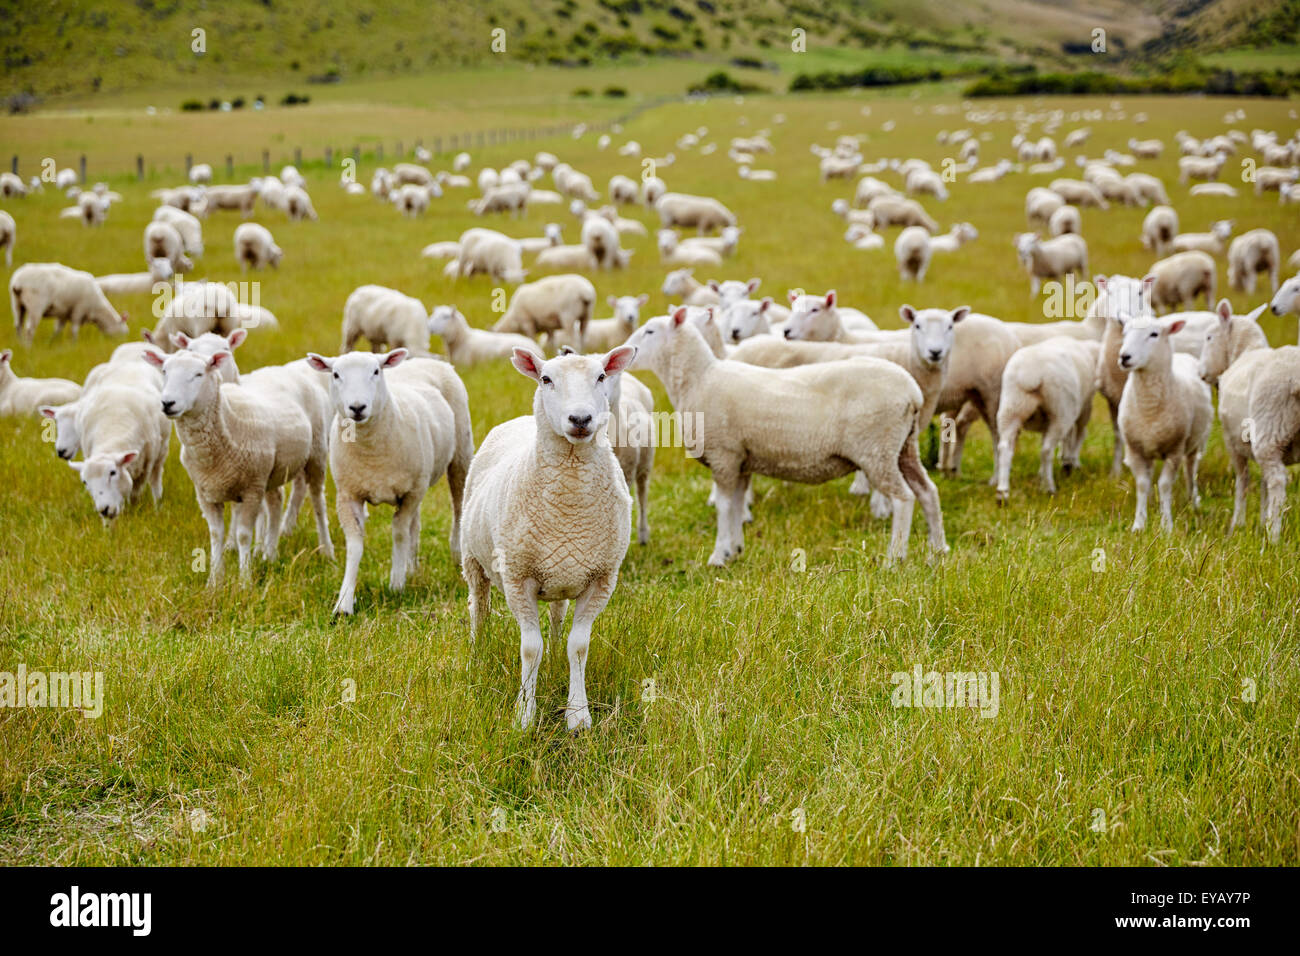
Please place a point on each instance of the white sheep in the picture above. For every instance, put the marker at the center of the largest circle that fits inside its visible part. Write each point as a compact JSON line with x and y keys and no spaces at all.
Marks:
{"x":1067,"y":219}
{"x":1076,"y":192}
{"x":1052,"y":258}
{"x":11,"y":186}
{"x":392,"y":437}
{"x":1287,"y":297}
{"x":137,"y":283}
{"x":548,"y":516}
{"x":601,"y":239}
{"x":297,"y":205}
{"x":39,"y":290}
{"x":162,"y":240}
{"x":674,"y":252}
{"x":1251,"y":253}
{"x":124,"y":438}
{"x":198,"y":307}
{"x":681,"y":285}
{"x":186,"y":224}
{"x":467,"y":345}
{"x":1159,"y":228}
{"x":873,"y":403}
{"x":1165,"y":413}
{"x":201,"y":174}
{"x":387,"y":318}
{"x":1046,"y":387}
{"x":507,"y":197}
{"x":605,"y":334}
{"x":567,"y":258}
{"x":623,"y":190}
{"x":896,"y":211}
{"x":549,"y":305}
{"x":255,"y":248}
{"x":1202,"y":168}
{"x":25,"y":396}
{"x":1273,"y":414}
{"x":1148,"y":188}
{"x":1040,"y":204}
{"x":491,"y":253}
{"x":1211,"y":242}
{"x":1180,"y":278}
{"x":703,"y":213}
{"x":238,"y":198}
{"x":8,"y":237}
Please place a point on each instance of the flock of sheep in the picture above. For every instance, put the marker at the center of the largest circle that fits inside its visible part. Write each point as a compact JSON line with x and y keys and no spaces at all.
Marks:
{"x":806,"y":392}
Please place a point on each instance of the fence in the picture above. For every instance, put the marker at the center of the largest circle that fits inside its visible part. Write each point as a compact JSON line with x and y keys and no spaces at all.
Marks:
{"x":442,"y":144}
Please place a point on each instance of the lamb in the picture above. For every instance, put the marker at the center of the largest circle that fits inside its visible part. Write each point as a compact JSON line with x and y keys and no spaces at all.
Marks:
{"x":1273,"y":412}
{"x":1251,"y":253}
{"x":11,"y":186}
{"x":387,"y":318}
{"x":70,"y":296}
{"x":601,"y":239}
{"x":1287,"y":297}
{"x":255,"y":248}
{"x":1148,"y":188}
{"x":238,"y":198}
{"x":1210,"y":242}
{"x":1165,"y":413}
{"x":136,"y":283}
{"x":893,"y":211}
{"x":548,"y":515}
{"x":297,"y":205}
{"x":567,"y":258}
{"x":562,"y":302}
{"x":817,"y":318}
{"x":187,"y":225}
{"x":699,"y":212}
{"x":1051,"y":258}
{"x":1229,"y":338}
{"x":1046,"y":387}
{"x":605,"y":334}
{"x":1065,"y":220}
{"x":1159,"y":229}
{"x":163,"y":241}
{"x":623,"y":190}
{"x":1180,"y":278}
{"x":239,"y":443}
{"x":1197,"y":167}
{"x":392,"y":437}
{"x":8,"y":237}
{"x":680,"y":284}
{"x":508,"y":197}
{"x":1146,"y":148}
{"x":491,"y":253}
{"x":873,"y":402}
{"x":744,"y":319}
{"x":200,"y":307}
{"x":1040,"y":204}
{"x":124,"y":439}
{"x":677,"y":253}
{"x":470,"y":346}
{"x":25,"y":396}
{"x":1076,"y":192}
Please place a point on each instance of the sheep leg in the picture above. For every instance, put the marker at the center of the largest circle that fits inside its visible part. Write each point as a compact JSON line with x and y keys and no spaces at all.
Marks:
{"x":155,"y":478}
{"x":860,"y":485}
{"x":1272,"y":482}
{"x":1241,"y":468}
{"x":521,"y":598}
{"x":352,"y":519}
{"x":456,"y":472}
{"x":724,"y":547}
{"x":214,"y":512}
{"x":924,"y":491}
{"x":1165,"y":487}
{"x":642,"y":507}
{"x":316,"y":484}
{"x":747,"y":515}
{"x":1141,"y":469}
{"x":588,"y":605}
{"x":244,"y":514}
{"x":403,"y":545}
{"x":294,"y":506}
{"x":1008,"y":435}
{"x":1190,"y":465}
{"x":1117,"y":455}
{"x":270,"y":530}
{"x":413,"y":552}
{"x":1052,"y":438}
{"x":480,"y":596}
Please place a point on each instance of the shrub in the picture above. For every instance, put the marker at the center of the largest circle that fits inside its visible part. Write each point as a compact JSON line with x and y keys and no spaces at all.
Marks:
{"x":723,"y":82}
{"x":294,"y":99}
{"x":191,"y":106}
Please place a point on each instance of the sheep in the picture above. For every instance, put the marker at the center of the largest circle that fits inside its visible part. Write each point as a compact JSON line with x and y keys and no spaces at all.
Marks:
{"x":1076,"y":192}
{"x":297,"y":205}
{"x":124,"y":368}
{"x":1272,"y":179}
{"x":404,"y":173}
{"x":1046,"y":387}
{"x":652,"y":190}
{"x":1251,"y":253}
{"x":1040,"y":204}
{"x":8,"y":237}
{"x":912,"y":253}
{"x":1180,"y":278}
{"x":238,"y":198}
{"x":198,"y":307}
{"x":1214,"y":189}
{"x":11,"y":186}
{"x":186,"y":225}
{"x":290,"y":176}
{"x":1210,"y":242}
{"x":680,"y":284}
{"x":1119,"y":299}
{"x":894,"y":211}
{"x":686,"y":211}
{"x":1146,"y":148}
{"x":925,"y":182}
{"x":491,"y":253}
{"x":956,"y":237}
{"x":604,"y":334}
{"x":873,"y":402}
{"x":1159,"y":228}
{"x":757,"y":175}
{"x":1196,"y":167}
{"x":675,"y":253}
{"x":461,"y":162}
{"x":1228,"y":339}
{"x":136,"y":283}
{"x":392,"y":437}
{"x":1051,"y":258}
{"x":601,"y":239}
{"x":25,"y":396}
{"x":1273,"y":415}
{"x":162,"y":240}
{"x":623,"y":190}
{"x":548,"y":515}
{"x":1065,"y":220}
{"x":124,"y":439}
{"x":467,"y":345}
{"x":442,"y":250}
{"x":869,"y":188}
{"x":567,"y":258}
{"x":1148,"y":189}
{"x":1287,"y":297}
{"x":1165,"y":413}
{"x":70,"y":296}
{"x":555,"y":303}
{"x":90,"y":209}
{"x":509,"y":197}
{"x":818,"y":318}
{"x":387,"y":318}
{"x":255,"y":248}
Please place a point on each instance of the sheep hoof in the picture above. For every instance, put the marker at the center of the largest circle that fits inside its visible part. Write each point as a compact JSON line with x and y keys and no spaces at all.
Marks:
{"x":579,"y":719}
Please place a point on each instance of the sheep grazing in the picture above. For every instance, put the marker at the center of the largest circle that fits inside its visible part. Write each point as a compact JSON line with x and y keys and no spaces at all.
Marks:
{"x":605,"y":334}
{"x":548,"y":516}
{"x":508,"y":197}
{"x":1147,"y":188}
{"x":912,"y":253}
{"x":1251,"y":253}
{"x":1076,"y":192}
{"x":623,"y":190}
{"x":1051,"y":258}
{"x":491,"y":253}
{"x":1040,"y":204}
{"x":1180,"y":278}
{"x":187,"y":225}
{"x":1201,"y":168}
{"x":1165,"y":413}
{"x":8,"y":237}
{"x":136,"y":283}
{"x":25,"y":396}
{"x":124,"y":440}
{"x":255,"y":248}
{"x":896,"y":211}
{"x":567,"y":258}
{"x":90,"y":209}
{"x":237,"y":198}
{"x":1065,"y":220}
{"x":601,"y":240}
{"x":386,"y":318}
{"x":470,"y":346}
{"x":162,"y":240}
{"x":703,"y":213}
{"x":40,"y":290}
{"x":11,"y":186}
{"x":200,"y":307}
{"x":1159,"y":229}
{"x":1146,"y":148}
{"x":1046,"y":387}
{"x":681,"y":285}
{"x":1273,"y":412}
{"x":1208,"y":242}
{"x":676,"y":253}
{"x":549,"y":305}
{"x":391,"y":439}
{"x":297,"y":205}
{"x":873,"y":402}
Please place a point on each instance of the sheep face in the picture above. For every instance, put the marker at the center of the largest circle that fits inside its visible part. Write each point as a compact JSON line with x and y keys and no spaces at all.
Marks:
{"x":745,"y":319}
{"x":1287,"y":297}
{"x":1216,"y":352}
{"x":573,"y":391}
{"x":185,"y":377}
{"x":810,"y":317}
{"x":732,"y":291}
{"x":357,"y":386}
{"x":1146,"y":339}
{"x":1125,"y":295}
{"x":627,"y":308}
{"x":675,"y":283}
{"x":67,"y":436}
{"x":933,"y":331}
{"x":440,"y":319}
{"x":107,"y":481}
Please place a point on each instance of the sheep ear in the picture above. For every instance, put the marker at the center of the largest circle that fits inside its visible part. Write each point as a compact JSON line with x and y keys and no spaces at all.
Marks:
{"x":5,"y":356}
{"x":642,"y":299}
{"x":830,"y":299}
{"x":679,"y":315}
{"x":792,"y":296}
{"x":236,"y":338}
{"x":1224,"y":309}
{"x":619,"y":359}
{"x":765,"y":304}
{"x":50,"y":411}
{"x":713,"y":284}
{"x":960,"y":313}
{"x":752,"y":285}
{"x":318,"y":363}
{"x":180,"y":340}
{"x":127,"y":457}
{"x":567,"y":350}
{"x":527,"y":361}
{"x":394,"y":358}
{"x":218,"y":359}
{"x":612,"y":300}
{"x":1099,"y":282}
{"x":1176,"y":326}
{"x":154,"y":357}
{"x":907,"y":314}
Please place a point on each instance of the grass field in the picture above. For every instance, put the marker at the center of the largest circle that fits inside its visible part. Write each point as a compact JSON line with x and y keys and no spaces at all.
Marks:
{"x":1148,"y":682}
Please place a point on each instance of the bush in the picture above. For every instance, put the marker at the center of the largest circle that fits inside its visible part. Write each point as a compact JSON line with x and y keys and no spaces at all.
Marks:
{"x":582,"y":91}
{"x":294,"y":99}
{"x":872,"y":76}
{"x":615,"y":92}
{"x":192,"y":106}
{"x":1182,"y":79}
{"x":723,"y":82}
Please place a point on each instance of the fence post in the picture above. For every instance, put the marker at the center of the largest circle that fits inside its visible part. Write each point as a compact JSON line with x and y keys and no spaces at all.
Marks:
{"x":437,"y":146}
{"x":230,"y":166}
{"x":189,"y":162}
{"x":14,"y":166}
{"x":356,"y":155}
{"x":139,"y":166}
{"x":379,"y":152}
{"x":329,"y":156}
{"x":398,"y":154}
{"x":83,"y":169}
{"x":297,"y":155}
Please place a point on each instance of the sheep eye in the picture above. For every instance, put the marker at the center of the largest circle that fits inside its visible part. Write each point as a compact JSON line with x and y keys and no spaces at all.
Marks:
{"x":546,"y":380}
{"x":336,"y":374}
{"x":112,"y":474}
{"x":1155,"y":335}
{"x":601,"y":378}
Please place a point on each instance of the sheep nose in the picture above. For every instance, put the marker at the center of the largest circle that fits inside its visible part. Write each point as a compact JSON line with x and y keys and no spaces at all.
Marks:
{"x":935,"y":354}
{"x":580,"y":421}
{"x":357,"y":410}
{"x":167,"y":405}
{"x":789,"y":334}
{"x":105,"y":511}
